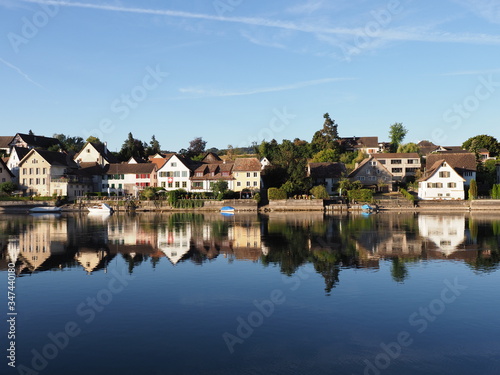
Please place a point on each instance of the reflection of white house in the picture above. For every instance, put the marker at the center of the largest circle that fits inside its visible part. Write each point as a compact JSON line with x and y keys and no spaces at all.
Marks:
{"x":441,"y":181}
{"x":90,"y":259}
{"x":13,"y":248}
{"x":447,"y":232}
{"x":175,"y":243}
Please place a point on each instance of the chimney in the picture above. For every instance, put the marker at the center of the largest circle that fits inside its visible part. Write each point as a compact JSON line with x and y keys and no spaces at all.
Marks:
{"x":105,"y":148}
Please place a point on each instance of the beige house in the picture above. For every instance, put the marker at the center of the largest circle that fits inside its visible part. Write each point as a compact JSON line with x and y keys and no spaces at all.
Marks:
{"x":95,"y":153}
{"x":401,"y":165}
{"x":372,"y":173}
{"x":48,"y":172}
{"x":246,"y":172}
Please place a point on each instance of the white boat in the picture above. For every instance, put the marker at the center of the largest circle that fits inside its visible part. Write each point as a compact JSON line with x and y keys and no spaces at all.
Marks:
{"x":103,"y":208}
{"x":45,"y":210}
{"x":227,"y":210}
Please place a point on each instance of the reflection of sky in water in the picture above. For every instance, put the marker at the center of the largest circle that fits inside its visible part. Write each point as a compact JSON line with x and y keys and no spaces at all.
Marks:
{"x":352,"y":284}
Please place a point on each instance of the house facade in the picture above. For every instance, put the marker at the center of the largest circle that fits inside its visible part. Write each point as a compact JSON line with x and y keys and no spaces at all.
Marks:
{"x":175,"y":173}
{"x":95,"y":153}
{"x":15,"y":157}
{"x":401,"y":165}
{"x":441,"y":181}
{"x":246,"y":174}
{"x":372,"y":173}
{"x":130,"y":179}
{"x":326,"y":174}
{"x":33,"y":141}
{"x":464,"y":163}
{"x":49,"y":173}
{"x":5,"y":174}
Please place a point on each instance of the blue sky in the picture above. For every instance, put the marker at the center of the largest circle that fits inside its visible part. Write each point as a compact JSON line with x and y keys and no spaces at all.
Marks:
{"x":237,"y":71}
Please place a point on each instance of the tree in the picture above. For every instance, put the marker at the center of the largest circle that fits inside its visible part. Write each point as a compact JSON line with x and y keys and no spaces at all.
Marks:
{"x":327,"y":155}
{"x":473,"y":190}
{"x":319,"y":192}
{"x":326,"y":137}
{"x":474,"y":144}
{"x":154,"y":147}
{"x":132,"y":148}
{"x":93,"y":139}
{"x":8,"y":187}
{"x":397,"y":132}
{"x":219,"y":188}
{"x":71,"y":144}
{"x":196,"y":146}
{"x":409,"y":147}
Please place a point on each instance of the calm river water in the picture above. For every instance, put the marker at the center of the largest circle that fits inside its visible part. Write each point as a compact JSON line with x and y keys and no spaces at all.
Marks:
{"x":250,"y":294}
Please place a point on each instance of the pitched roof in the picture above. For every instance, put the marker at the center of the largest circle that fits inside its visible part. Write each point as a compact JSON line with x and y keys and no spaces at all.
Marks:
{"x":396,"y":155}
{"x":20,"y":151}
{"x":368,"y":141}
{"x":426,"y":147}
{"x":461,"y":162}
{"x":211,"y":158}
{"x":106,"y":154}
{"x":124,"y":168}
{"x":5,"y":141}
{"x":326,"y":170}
{"x":38,"y":140}
{"x":246,"y":165}
{"x":364,"y":162}
{"x":4,"y":166}
{"x":91,"y":169}
{"x":54,"y":158}
{"x":433,"y":169}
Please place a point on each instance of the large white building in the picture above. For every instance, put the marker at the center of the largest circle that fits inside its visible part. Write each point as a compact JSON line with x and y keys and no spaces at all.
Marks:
{"x":441,"y":181}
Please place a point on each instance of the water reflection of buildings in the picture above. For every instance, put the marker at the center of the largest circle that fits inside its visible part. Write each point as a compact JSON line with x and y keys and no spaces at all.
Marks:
{"x":447,"y":233}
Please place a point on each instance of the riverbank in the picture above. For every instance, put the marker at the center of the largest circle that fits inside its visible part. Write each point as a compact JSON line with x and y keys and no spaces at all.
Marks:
{"x":249,"y":205}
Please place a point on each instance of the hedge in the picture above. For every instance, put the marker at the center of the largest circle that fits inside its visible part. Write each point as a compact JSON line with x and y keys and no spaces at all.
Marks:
{"x":360,"y":195}
{"x":276,"y":193}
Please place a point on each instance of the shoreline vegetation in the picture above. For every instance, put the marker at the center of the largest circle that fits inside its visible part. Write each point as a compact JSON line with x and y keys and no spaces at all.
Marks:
{"x":398,"y":203}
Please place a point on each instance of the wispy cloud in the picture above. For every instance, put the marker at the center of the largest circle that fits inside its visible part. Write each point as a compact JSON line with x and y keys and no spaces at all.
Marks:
{"x":388,"y":34}
{"x":20,"y":72}
{"x":307,"y":7}
{"x":198,"y":92}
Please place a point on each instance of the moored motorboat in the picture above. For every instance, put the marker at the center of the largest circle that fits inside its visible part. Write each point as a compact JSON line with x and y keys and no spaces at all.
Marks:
{"x":227,"y":210}
{"x":103,"y":208}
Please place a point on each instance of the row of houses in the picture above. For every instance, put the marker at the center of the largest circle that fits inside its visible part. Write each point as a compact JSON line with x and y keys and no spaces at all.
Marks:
{"x":443,"y":173}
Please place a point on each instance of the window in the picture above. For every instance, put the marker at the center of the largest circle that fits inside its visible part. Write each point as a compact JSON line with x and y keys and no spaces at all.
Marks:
{"x":410,"y":161}
{"x":255,"y":183}
{"x":37,"y":171}
{"x":88,"y":151}
{"x":361,"y":178}
{"x":248,"y":174}
{"x":248,"y":183}
{"x":238,"y":183}
{"x":397,"y":170}
{"x":44,"y":171}
{"x":434,"y":185}
{"x":34,"y":161}
{"x":37,"y":181}
{"x":382,"y":161}
{"x":43,"y":181}
{"x":184,"y":173}
{"x":411,"y":170}
{"x":469,"y":174}
{"x":163,"y":184}
{"x":184,"y":184}
{"x":396,"y":161}
{"x":255,"y":174}
{"x":170,"y":184}
{"x":112,"y":186}
{"x":199,"y":174}
{"x":120,"y":186}
{"x":177,"y":184}
{"x":24,"y":170}
{"x":197,"y":185}
{"x":173,"y":164}
{"x":452,"y":185}
{"x":31,"y":170}
{"x":176,"y":174}
{"x":373,"y":178}
{"x":444,"y":174}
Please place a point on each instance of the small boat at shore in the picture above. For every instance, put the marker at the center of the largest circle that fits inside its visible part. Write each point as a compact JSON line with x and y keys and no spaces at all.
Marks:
{"x":227,"y":210}
{"x":45,"y":210}
{"x":367,"y":208}
{"x":103,"y":208}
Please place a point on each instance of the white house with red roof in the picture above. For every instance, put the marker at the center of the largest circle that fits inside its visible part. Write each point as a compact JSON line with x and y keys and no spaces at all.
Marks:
{"x":441,"y":181}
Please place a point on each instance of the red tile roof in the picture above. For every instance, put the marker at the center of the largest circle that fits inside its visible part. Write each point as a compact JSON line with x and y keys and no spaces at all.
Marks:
{"x":247,"y":165}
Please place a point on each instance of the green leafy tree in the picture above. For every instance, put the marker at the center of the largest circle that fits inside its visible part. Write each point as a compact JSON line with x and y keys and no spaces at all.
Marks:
{"x":196,"y":147}
{"x":327,"y":155}
{"x":132,"y":148}
{"x":154,"y":147}
{"x":474,"y":144}
{"x":220,"y":188}
{"x":8,"y":187}
{"x":397,"y":132}
{"x":71,"y":144}
{"x":93,"y":139}
{"x":409,"y":147}
{"x":319,"y":192}
{"x":473,"y":190}
{"x":326,"y":137}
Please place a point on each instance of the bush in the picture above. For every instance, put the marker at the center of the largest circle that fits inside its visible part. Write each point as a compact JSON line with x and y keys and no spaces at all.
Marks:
{"x":276,"y":193}
{"x":360,"y":195}
{"x":319,"y":192}
{"x":8,"y":187}
{"x":257,"y":197}
{"x":407,"y":195}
